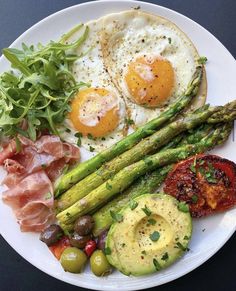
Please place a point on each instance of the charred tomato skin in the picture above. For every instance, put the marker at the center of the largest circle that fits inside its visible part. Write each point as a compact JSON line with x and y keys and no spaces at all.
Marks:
{"x":206,"y":182}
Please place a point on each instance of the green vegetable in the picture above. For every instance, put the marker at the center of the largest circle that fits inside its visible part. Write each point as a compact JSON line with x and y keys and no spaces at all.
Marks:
{"x":127,"y":175}
{"x":41,"y":89}
{"x":140,"y":150}
{"x":165,"y":257}
{"x":89,"y":166}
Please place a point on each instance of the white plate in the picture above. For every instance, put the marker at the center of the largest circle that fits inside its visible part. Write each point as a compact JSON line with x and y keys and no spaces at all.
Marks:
{"x":221,"y":88}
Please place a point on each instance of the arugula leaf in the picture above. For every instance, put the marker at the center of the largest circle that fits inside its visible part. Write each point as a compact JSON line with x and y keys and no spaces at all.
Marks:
{"x":40,"y":88}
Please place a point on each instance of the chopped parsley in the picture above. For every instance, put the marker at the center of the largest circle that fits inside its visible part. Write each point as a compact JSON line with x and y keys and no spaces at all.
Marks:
{"x":180,"y":246}
{"x":194,"y":198}
{"x":148,"y":161}
{"x":129,"y":121}
{"x":107,"y":251}
{"x":182,"y":206}
{"x":143,"y":252}
{"x":147,"y":211}
{"x":165,"y":257}
{"x":116,"y":216}
{"x":156,"y":264}
{"x":48,"y":196}
{"x":186,"y":237}
{"x":202,"y":60}
{"x":193,"y":168}
{"x":90,"y":136}
{"x":91,"y":149}
{"x":78,"y":135}
{"x":154,"y":236}
{"x":169,"y":40}
{"x":151,"y":221}
{"x":108,"y":186}
{"x":133,"y":204}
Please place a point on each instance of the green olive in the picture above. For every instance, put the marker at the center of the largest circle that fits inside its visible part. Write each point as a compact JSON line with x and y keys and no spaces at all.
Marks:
{"x":99,"y":264}
{"x":73,"y":260}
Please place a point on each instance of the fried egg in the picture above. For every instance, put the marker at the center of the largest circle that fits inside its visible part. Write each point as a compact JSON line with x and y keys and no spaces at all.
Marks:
{"x":150,"y":60}
{"x":97,"y":112}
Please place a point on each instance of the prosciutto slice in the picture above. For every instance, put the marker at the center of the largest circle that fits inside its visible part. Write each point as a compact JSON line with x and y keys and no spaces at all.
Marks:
{"x":30,"y":175}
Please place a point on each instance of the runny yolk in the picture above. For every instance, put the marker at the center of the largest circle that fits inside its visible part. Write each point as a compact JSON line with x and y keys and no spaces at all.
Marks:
{"x":95,"y":111}
{"x":150,"y":81}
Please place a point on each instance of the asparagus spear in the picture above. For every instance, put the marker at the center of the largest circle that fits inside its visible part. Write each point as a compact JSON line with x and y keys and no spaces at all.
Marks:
{"x":146,"y":146}
{"x":89,"y":166}
{"x":145,"y":184}
{"x":126,"y":176}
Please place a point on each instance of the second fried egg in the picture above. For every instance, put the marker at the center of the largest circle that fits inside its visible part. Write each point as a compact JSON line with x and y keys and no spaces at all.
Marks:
{"x":98,"y":111}
{"x":150,"y":60}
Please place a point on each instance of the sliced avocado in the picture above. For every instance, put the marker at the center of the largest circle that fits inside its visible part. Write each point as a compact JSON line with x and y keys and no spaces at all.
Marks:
{"x":150,"y":237}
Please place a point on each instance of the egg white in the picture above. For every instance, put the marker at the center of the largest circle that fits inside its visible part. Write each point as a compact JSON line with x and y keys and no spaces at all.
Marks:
{"x":90,"y":69}
{"x":130,"y":34}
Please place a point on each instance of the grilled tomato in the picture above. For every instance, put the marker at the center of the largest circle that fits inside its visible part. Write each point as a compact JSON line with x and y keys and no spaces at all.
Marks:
{"x":207,"y":183}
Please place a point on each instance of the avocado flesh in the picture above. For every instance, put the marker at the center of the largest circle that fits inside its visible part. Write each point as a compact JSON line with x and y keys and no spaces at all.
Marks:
{"x":132,"y":249}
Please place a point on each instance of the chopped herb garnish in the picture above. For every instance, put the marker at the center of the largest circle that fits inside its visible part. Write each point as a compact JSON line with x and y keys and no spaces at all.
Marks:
{"x":123,"y":245}
{"x":186,"y":237}
{"x":107,"y":251}
{"x":133,"y":204}
{"x":202,"y":60}
{"x":180,"y":246}
{"x":78,"y":135}
{"x":148,"y":161}
{"x":143,"y":252}
{"x":108,"y":186}
{"x":182,"y":206}
{"x":90,"y":136}
{"x":91,"y":149}
{"x":156,"y":264}
{"x":165,"y":257}
{"x":67,"y":214}
{"x":103,"y":138}
{"x":151,"y":221}
{"x":116,"y":216}
{"x":169,"y":40}
{"x":147,"y":211}
{"x":194,"y":198}
{"x":154,"y":236}
{"x":48,"y":196}
{"x":68,"y":130}
{"x":193,"y":168}
{"x":129,"y":121}
{"x":137,"y":8}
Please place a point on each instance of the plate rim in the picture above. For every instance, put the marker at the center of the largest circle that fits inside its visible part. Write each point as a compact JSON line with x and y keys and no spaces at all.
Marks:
{"x":152,"y":283}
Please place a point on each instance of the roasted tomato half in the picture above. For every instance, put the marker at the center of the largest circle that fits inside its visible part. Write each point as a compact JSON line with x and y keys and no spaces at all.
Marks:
{"x":58,"y":248}
{"x":207,"y":183}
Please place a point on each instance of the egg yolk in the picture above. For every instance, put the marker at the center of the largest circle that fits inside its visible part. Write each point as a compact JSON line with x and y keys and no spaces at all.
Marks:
{"x":150,"y":81}
{"x":95,"y":111}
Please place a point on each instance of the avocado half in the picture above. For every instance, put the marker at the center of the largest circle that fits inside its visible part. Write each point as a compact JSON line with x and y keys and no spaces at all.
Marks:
{"x":150,"y":237}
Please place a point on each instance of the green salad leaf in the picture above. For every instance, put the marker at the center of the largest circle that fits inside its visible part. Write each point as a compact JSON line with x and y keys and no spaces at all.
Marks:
{"x":39,"y":89}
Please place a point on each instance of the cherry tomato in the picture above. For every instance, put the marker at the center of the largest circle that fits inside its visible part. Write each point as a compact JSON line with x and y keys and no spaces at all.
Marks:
{"x":90,"y":247}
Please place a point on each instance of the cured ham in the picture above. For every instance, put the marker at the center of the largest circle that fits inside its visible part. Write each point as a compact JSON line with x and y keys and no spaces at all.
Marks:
{"x":30,"y":175}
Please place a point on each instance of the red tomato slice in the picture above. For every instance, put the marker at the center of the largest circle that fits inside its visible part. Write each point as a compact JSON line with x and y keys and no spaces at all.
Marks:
{"x":207,"y":183}
{"x":58,"y":248}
